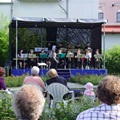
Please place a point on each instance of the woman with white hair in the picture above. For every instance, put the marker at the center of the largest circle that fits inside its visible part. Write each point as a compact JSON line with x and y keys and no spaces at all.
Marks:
{"x":28,"y":102}
{"x":34,"y":79}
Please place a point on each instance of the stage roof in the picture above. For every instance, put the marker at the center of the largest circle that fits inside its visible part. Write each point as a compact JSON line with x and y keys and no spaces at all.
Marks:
{"x":33,"y":22}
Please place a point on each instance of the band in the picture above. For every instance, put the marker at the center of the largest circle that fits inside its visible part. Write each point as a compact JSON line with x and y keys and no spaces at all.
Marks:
{"x":62,"y":58}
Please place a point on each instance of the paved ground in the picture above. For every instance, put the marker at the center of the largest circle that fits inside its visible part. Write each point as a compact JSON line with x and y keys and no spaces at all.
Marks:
{"x":70,"y":85}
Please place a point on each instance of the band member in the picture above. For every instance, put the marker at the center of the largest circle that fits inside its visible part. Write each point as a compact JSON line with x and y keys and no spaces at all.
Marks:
{"x":78,"y":46}
{"x":78,"y":61}
{"x":61,"y":59}
{"x":43,"y":56}
{"x":88,"y":46}
{"x":31,"y":58}
{"x":87,"y":61}
{"x":97,"y":59}
{"x":54,"y":61}
{"x":69,"y":59}
{"x":20,"y":59}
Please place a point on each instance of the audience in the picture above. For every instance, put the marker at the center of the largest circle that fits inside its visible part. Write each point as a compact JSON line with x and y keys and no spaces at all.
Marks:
{"x":53,"y":75}
{"x":2,"y":81}
{"x":108,"y":92}
{"x":28,"y":102}
{"x":89,"y":95}
{"x":34,"y":79}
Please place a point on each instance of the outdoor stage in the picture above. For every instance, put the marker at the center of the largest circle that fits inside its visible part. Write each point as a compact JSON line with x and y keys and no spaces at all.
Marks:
{"x":62,"y":72}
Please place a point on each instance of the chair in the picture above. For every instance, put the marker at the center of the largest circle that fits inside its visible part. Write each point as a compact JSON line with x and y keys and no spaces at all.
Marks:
{"x":57,"y":91}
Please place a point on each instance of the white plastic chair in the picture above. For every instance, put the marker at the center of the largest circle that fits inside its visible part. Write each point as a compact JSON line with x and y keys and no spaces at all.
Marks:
{"x":57,"y":91}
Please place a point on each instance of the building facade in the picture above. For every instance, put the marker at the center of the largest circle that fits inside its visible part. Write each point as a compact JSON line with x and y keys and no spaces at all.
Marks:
{"x":110,"y":10}
{"x":51,"y":8}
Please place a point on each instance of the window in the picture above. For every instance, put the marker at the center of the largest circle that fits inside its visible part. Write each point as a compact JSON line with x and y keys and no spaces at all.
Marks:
{"x":100,"y":15}
{"x":118,"y":17}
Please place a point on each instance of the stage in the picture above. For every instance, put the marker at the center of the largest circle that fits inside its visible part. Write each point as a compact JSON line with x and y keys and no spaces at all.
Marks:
{"x":62,"y":72}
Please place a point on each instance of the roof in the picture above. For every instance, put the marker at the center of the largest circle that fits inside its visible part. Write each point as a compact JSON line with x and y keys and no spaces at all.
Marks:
{"x":112,"y":29}
{"x":32,"y":22}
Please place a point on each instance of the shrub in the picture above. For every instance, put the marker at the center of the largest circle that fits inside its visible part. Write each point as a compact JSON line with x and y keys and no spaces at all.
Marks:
{"x":113,"y":60}
{"x":95,"y":79}
{"x":69,"y":111}
{"x":14,"y":81}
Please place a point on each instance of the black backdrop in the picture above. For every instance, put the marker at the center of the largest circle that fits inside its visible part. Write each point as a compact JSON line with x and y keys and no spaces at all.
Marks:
{"x":43,"y":30}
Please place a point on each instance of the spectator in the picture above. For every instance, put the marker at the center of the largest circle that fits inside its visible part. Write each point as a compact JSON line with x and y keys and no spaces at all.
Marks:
{"x":89,"y":89}
{"x":89,"y":95}
{"x":28,"y":102}
{"x":108,"y":92}
{"x":34,"y":79}
{"x":52,"y":73}
{"x":2,"y":82}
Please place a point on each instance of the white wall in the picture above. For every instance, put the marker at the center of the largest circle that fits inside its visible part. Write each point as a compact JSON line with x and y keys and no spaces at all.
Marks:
{"x":111,"y":40}
{"x":84,"y":9}
{"x":6,"y":10}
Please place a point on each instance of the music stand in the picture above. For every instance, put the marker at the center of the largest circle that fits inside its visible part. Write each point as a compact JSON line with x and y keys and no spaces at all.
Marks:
{"x":63,"y":49}
{"x":31,"y":56}
{"x":42,"y":65}
{"x":80,"y":56}
{"x":69,"y":56}
{"x":24,"y":56}
{"x":61,"y":55}
{"x":43,"y":57}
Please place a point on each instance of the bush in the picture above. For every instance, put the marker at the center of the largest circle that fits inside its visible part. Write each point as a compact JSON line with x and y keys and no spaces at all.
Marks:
{"x":95,"y":79}
{"x":69,"y":111}
{"x":64,"y":112}
{"x":113,"y":60}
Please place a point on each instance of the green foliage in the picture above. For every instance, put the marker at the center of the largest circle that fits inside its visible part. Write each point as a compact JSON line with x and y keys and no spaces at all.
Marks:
{"x":113,"y":60}
{"x":4,"y":44}
{"x":6,"y":110}
{"x":68,"y":111}
{"x":95,"y":79}
{"x":14,"y":81}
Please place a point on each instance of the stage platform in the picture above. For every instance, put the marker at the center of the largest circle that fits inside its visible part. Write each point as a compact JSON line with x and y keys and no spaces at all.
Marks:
{"x":62,"y":72}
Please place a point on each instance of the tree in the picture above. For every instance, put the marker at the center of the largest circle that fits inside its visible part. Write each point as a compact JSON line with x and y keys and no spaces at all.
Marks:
{"x":4,"y":36}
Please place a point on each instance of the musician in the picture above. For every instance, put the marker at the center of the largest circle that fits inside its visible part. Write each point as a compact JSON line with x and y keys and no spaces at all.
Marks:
{"x":43,"y":56}
{"x":31,"y":59}
{"x":88,"y":46}
{"x":97,"y":60}
{"x":78,"y":46}
{"x":78,"y":60}
{"x":20,"y":61}
{"x":61,"y":60}
{"x":69,"y":60}
{"x":87,"y":61}
{"x":54,"y":61}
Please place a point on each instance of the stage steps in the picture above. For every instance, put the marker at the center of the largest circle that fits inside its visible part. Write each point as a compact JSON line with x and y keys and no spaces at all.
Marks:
{"x":64,"y":73}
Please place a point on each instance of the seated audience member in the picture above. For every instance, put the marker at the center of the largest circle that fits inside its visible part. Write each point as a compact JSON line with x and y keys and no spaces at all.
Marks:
{"x":34,"y":79}
{"x":89,"y":94}
{"x":53,"y":75}
{"x":2,"y":82}
{"x":108,"y":92}
{"x":28,"y":102}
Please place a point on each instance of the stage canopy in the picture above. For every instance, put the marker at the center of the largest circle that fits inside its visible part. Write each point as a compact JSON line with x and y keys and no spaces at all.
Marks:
{"x":59,"y":30}
{"x":29,"y":22}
